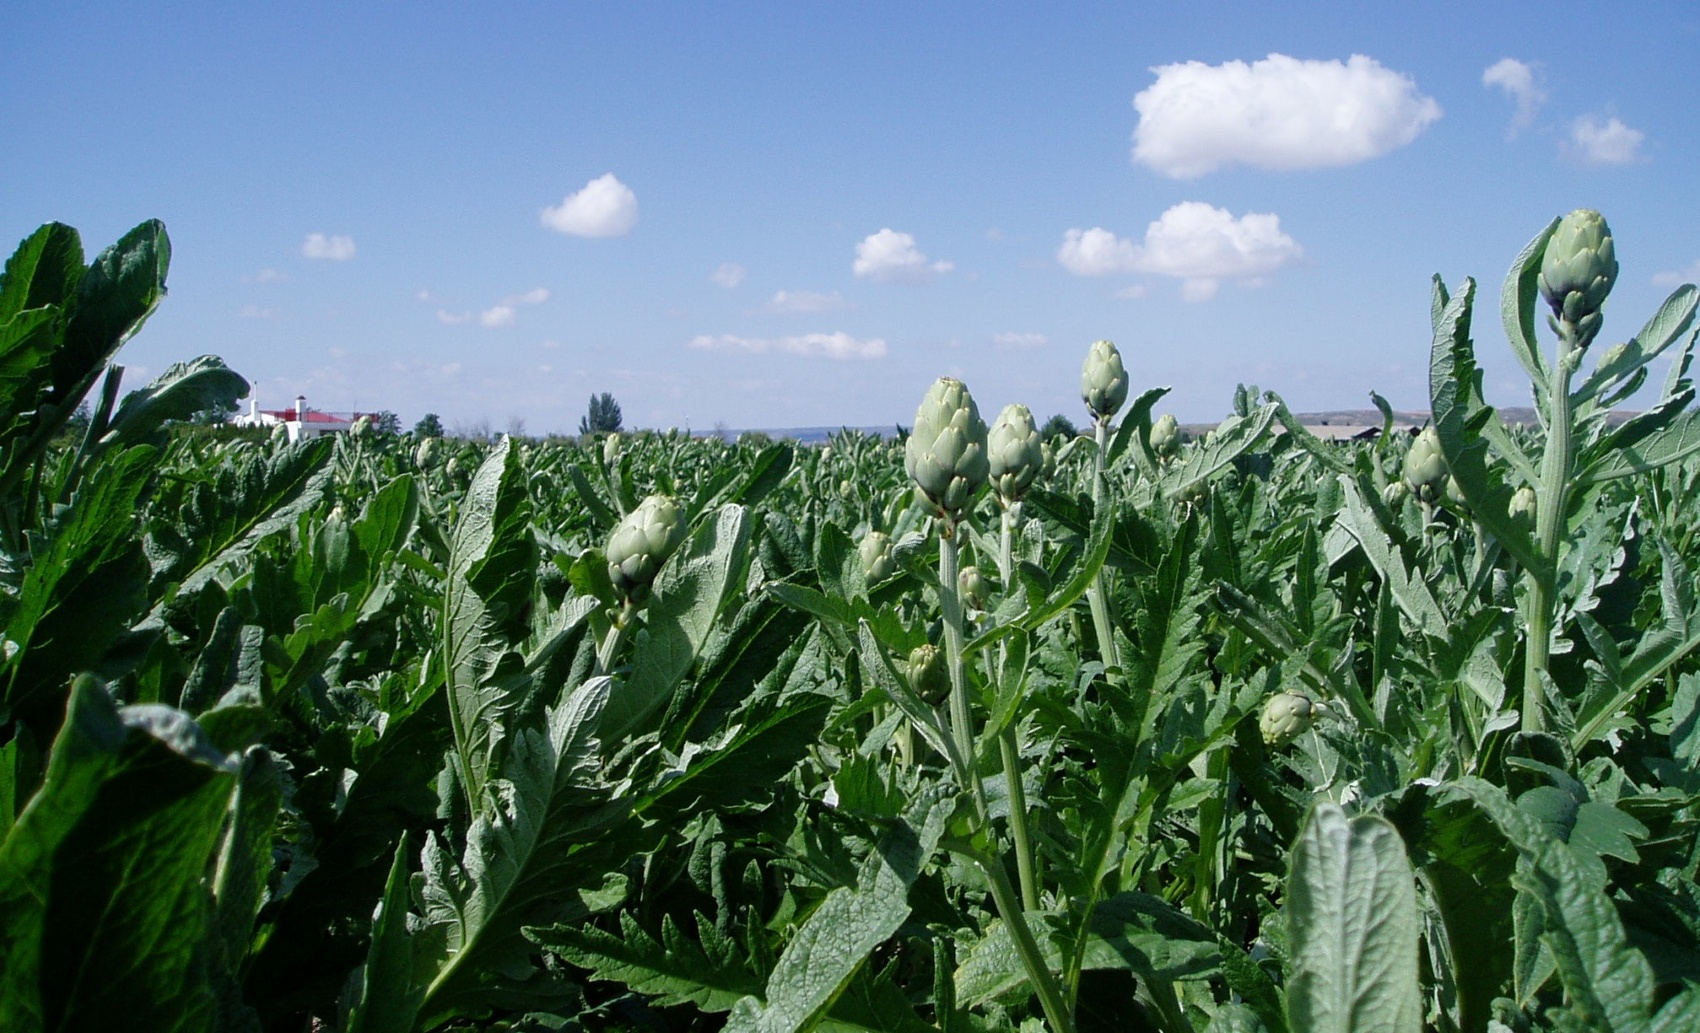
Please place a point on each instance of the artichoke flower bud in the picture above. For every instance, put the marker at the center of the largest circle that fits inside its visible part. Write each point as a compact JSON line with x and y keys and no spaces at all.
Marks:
{"x":1425,"y":466}
{"x":1165,"y":435}
{"x":611,"y":448}
{"x":1395,"y":494}
{"x":877,"y":561}
{"x":453,"y":469}
{"x":928,"y":675}
{"x":1455,"y":493}
{"x":1286,"y":716}
{"x":946,"y":452}
{"x":1523,"y":504}
{"x":1103,"y":380}
{"x":1015,"y":453}
{"x":972,"y":586}
{"x":361,"y":427}
{"x":425,"y":456}
{"x":641,"y":543}
{"x":1578,"y":270}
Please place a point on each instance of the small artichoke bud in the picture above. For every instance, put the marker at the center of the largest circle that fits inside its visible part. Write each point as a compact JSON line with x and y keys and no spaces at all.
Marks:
{"x":972,"y":585}
{"x":877,"y":561}
{"x":611,"y":446}
{"x":361,"y":427}
{"x":425,"y":456}
{"x":1425,"y":466}
{"x":1395,"y":494}
{"x":946,"y":452}
{"x":453,"y":469}
{"x":1455,"y":493}
{"x":1578,"y":269}
{"x":1015,"y":453}
{"x":927,"y":674}
{"x":1165,"y":435}
{"x":1522,"y":508}
{"x":641,"y":543}
{"x":1103,"y":380}
{"x":1286,"y":716}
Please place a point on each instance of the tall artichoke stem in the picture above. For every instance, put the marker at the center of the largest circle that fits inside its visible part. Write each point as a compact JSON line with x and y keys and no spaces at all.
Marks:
{"x":1101,"y":626}
{"x":1550,"y":504}
{"x":950,"y":606}
{"x":1008,"y":746}
{"x":1026,"y":947}
{"x":616,"y":637}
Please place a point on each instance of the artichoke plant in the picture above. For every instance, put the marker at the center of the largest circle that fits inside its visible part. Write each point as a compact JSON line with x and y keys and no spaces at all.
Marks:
{"x":1578,"y":270}
{"x":1286,"y":716}
{"x":641,"y":543}
{"x":611,"y":446}
{"x":1016,"y":454}
{"x":1103,"y":381}
{"x":928,"y":675}
{"x":877,"y":561}
{"x":1425,"y":466}
{"x":1165,"y":435}
{"x":1523,"y":505}
{"x":946,"y":452}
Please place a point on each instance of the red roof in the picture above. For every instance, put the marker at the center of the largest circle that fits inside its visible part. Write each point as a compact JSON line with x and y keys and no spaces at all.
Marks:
{"x":315,"y":416}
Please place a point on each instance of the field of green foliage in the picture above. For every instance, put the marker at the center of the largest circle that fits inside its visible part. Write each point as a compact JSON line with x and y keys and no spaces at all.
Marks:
{"x":969,"y":731}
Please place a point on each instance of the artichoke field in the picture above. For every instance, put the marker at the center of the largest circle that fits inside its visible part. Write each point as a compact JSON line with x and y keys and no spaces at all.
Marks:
{"x":968,"y":732}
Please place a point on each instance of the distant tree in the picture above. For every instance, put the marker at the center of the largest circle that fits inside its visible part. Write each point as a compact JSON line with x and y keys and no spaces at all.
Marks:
{"x":429,"y":426}
{"x":1058,"y":425}
{"x":386,"y":422}
{"x":603,"y":417}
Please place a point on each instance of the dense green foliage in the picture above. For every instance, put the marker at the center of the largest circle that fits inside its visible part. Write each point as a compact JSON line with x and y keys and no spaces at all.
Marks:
{"x":365,"y":734}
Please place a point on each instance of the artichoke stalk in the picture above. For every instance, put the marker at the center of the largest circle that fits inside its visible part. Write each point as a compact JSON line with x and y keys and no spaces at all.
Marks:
{"x":946,"y":452}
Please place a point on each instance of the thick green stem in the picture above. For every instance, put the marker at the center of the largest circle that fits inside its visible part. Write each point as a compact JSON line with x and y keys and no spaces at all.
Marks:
{"x":950,"y":606}
{"x":616,"y":637}
{"x":1101,"y":626}
{"x":1018,"y":819}
{"x":1032,"y":959}
{"x":1551,"y":500}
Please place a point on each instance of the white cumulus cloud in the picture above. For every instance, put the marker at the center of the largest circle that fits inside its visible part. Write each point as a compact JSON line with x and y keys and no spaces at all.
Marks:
{"x":336,"y":248}
{"x":1277,"y":113}
{"x":497,"y":315}
{"x":892,"y":257}
{"x":830,"y":346}
{"x":1197,"y":243}
{"x":535,"y":296}
{"x":1518,"y":81}
{"x":605,"y":207}
{"x":806,"y":301}
{"x":1605,"y":143}
{"x":1678,"y":277}
{"x":729,"y":275}
{"x":448,"y":318}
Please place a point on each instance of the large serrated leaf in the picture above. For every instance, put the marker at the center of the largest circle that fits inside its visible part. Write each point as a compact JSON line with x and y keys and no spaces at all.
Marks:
{"x":184,"y":389}
{"x":1354,"y":928}
{"x":674,"y":969}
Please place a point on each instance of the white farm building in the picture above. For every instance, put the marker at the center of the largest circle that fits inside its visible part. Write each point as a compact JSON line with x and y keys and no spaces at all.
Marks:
{"x":299,"y":422}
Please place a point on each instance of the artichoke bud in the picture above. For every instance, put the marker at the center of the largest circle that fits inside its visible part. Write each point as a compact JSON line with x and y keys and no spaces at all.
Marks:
{"x":1578,"y":270}
{"x":972,"y":586}
{"x":453,"y":468}
{"x":877,"y":561}
{"x":641,"y":543}
{"x":361,"y":427}
{"x":1395,"y":494}
{"x":1048,"y":456}
{"x":1425,"y":466}
{"x":1286,"y":716}
{"x":1522,"y":508}
{"x":1165,"y":435}
{"x":611,"y":446}
{"x":1014,"y":452}
{"x":946,"y":452}
{"x":1455,"y":493}
{"x":1103,"y":380}
{"x":425,"y":456}
{"x":927,"y":674}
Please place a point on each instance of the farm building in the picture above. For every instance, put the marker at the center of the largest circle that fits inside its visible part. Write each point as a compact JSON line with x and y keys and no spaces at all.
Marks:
{"x":300,"y":422}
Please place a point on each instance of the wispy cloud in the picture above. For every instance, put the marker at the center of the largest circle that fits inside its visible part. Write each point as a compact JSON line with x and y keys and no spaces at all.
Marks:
{"x":806,"y":301}
{"x":498,"y":315}
{"x":1277,"y":113}
{"x":729,"y":275}
{"x":1197,"y":243}
{"x":1518,"y":81}
{"x":605,"y":207}
{"x":892,"y":257}
{"x":1605,"y":143}
{"x":453,"y":319}
{"x":830,"y":346}
{"x":335,"y":248}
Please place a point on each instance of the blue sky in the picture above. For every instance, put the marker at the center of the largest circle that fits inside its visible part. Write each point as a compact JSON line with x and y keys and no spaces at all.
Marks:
{"x":796,"y":215}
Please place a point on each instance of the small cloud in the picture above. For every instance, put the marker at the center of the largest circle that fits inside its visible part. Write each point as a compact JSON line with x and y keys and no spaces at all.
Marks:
{"x":1689,"y":274}
{"x":1278,"y":113}
{"x":1194,"y":242}
{"x":1605,"y":143}
{"x":891,"y":257}
{"x":1012,"y":340}
{"x":256,"y":312}
{"x":1518,"y":81}
{"x":830,"y":346}
{"x":499,"y":315}
{"x":729,"y":275}
{"x":532,"y":297}
{"x":336,"y":248}
{"x":605,"y":207}
{"x":266,"y":276}
{"x":451,"y":319}
{"x":806,"y":301}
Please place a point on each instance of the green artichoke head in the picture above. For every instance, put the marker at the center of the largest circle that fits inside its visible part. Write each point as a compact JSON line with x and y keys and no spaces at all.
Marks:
{"x":641,"y":543}
{"x":1286,"y":716}
{"x":928,"y":675}
{"x":361,"y":427}
{"x":1016,"y":455}
{"x":611,"y":446}
{"x":1523,"y":504}
{"x":426,"y":454}
{"x":877,"y":561}
{"x":1425,"y":466}
{"x":1395,"y":494}
{"x":1578,"y":270}
{"x":946,"y":452}
{"x":972,"y":586}
{"x":1103,"y":380}
{"x":1165,"y":435}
